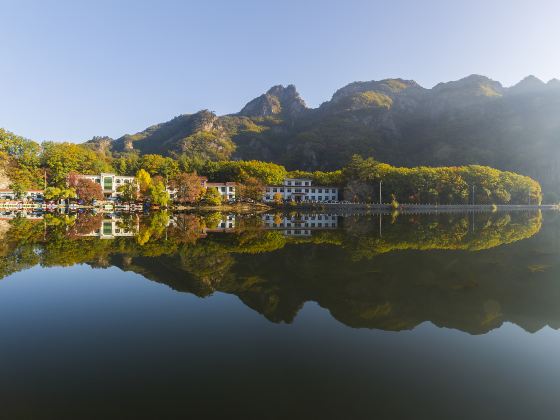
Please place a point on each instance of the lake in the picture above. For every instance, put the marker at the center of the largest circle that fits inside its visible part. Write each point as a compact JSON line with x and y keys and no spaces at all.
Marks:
{"x":301,"y":315}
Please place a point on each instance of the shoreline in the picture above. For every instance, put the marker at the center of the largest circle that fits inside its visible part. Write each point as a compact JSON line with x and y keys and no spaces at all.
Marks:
{"x":241,"y":208}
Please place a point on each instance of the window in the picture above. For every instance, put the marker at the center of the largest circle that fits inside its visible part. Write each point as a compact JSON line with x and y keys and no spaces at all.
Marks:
{"x":307,"y":190}
{"x":223,"y":189}
{"x":281,"y":189}
{"x":313,"y":190}
{"x":107,"y":183}
{"x":274,"y":189}
{"x":320,"y":190}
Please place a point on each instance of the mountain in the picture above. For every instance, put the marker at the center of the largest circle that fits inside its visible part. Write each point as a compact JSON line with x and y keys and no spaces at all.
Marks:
{"x":279,"y":100}
{"x":474,"y":120}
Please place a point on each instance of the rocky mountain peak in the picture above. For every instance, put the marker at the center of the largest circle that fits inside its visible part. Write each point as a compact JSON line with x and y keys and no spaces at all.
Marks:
{"x":277,"y":100}
{"x":389,"y":87}
{"x":529,"y":84}
{"x":473,"y":85}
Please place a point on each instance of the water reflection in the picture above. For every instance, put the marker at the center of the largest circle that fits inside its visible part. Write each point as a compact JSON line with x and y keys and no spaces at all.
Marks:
{"x":471,"y":272}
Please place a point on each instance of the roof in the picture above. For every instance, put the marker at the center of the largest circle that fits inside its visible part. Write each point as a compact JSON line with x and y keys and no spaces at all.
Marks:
{"x":301,"y":186}
{"x":28,"y":191}
{"x":107,"y":174}
{"x":221,"y":184}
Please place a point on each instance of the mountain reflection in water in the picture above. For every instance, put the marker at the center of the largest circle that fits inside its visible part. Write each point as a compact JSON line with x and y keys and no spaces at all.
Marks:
{"x":471,"y":272}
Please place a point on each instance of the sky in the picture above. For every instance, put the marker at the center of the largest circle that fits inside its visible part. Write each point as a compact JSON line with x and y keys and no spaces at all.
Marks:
{"x":71,"y":70}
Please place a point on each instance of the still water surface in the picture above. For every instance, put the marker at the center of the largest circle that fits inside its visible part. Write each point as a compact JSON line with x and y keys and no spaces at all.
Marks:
{"x":273,"y":316}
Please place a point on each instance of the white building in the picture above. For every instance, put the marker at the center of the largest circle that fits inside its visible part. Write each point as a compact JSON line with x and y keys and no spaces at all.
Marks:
{"x":226,"y":189}
{"x":113,"y":228}
{"x":301,"y":225}
{"x":110,"y":182}
{"x":225,"y":225}
{"x":301,"y":190}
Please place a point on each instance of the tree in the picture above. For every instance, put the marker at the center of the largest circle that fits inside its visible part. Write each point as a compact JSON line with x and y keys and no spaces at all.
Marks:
{"x":212,"y":197}
{"x":188,"y":186}
{"x":55,"y":193}
{"x":62,"y":158}
{"x":251,"y":189}
{"x":159,"y":165}
{"x":88,"y":190}
{"x":144,"y":181}
{"x":128,"y":192}
{"x":277,"y":197}
{"x":18,"y":188}
{"x":24,"y":151}
{"x":158,"y":194}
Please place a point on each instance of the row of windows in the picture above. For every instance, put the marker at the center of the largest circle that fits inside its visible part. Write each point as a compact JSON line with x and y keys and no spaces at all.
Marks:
{"x":304,"y":183}
{"x":224,"y":189}
{"x":319,"y":198}
{"x":318,"y":217}
{"x":118,"y":181}
{"x":318,"y":224}
{"x":307,"y":190}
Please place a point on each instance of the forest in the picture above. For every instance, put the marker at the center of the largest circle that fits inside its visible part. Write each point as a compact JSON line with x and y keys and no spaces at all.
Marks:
{"x":30,"y":165}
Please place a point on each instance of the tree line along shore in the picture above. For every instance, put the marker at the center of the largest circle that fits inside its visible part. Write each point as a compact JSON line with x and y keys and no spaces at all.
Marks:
{"x":65,"y":171}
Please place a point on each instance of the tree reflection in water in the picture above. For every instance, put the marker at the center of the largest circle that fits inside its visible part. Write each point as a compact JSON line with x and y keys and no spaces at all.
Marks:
{"x":466,"y":271}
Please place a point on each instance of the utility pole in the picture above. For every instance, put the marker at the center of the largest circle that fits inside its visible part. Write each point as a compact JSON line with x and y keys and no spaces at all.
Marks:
{"x":473,"y":195}
{"x":380,"y":182}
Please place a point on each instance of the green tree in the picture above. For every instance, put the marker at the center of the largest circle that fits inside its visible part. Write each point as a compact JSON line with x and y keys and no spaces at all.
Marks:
{"x":19,"y":189}
{"x":62,"y":158}
{"x":128,"y":192}
{"x":158,"y":194}
{"x":212,"y":197}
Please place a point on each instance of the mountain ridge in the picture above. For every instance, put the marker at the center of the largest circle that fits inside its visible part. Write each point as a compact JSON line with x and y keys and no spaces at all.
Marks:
{"x":473,"y":120}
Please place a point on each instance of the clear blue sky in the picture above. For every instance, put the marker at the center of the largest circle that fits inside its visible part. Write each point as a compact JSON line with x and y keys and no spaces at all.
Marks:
{"x":74,"y":69}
